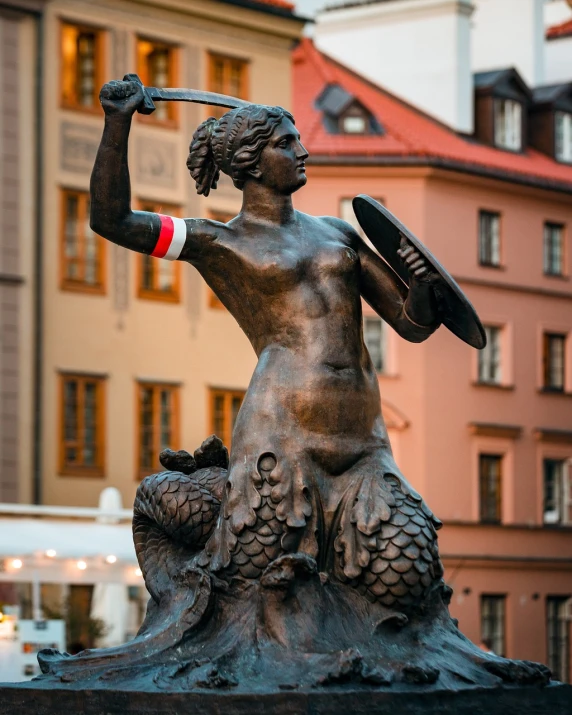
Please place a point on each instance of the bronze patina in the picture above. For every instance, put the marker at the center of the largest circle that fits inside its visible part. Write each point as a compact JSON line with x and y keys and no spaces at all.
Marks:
{"x":303,"y":566}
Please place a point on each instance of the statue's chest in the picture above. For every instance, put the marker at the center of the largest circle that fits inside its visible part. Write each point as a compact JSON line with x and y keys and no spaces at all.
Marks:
{"x":288,"y":265}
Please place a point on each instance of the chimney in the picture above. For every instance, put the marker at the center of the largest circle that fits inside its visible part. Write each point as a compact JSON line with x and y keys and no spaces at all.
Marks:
{"x":420,"y":50}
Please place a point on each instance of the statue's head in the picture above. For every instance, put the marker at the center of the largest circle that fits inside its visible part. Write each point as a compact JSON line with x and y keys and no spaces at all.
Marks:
{"x":252,"y":143}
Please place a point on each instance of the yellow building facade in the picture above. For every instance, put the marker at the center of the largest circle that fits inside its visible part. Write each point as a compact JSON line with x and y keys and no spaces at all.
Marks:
{"x":136,"y":353}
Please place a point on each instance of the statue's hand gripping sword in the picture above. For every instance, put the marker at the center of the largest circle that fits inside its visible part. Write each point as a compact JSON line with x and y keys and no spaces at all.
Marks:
{"x":172,"y":94}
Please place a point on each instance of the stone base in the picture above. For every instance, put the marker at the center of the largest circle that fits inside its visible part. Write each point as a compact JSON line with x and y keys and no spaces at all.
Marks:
{"x":24,"y":699}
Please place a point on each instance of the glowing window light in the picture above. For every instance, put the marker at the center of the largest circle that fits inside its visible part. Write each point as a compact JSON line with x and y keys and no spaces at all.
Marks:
{"x":17,"y":563}
{"x":51,"y":553}
{"x":111,"y":559}
{"x":81,"y":565}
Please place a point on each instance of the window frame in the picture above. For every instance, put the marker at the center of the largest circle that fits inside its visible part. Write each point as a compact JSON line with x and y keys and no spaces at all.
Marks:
{"x":518,"y":122}
{"x":484,"y":518}
{"x":560,"y":667}
{"x":82,"y":470}
{"x":547,"y":385}
{"x":382,"y":342}
{"x":155,"y":294}
{"x":493,"y":251}
{"x":497,"y":599}
{"x":244,"y":92}
{"x":562,"y":497}
{"x":563,"y":157}
{"x":71,"y":284}
{"x":488,"y":350}
{"x":99,"y":70}
{"x":548,"y":227}
{"x":228,"y":395}
{"x":172,"y":119}
{"x":156,"y":386}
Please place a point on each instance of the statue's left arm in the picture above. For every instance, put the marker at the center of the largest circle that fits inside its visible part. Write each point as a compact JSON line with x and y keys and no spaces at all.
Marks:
{"x":411,"y":313}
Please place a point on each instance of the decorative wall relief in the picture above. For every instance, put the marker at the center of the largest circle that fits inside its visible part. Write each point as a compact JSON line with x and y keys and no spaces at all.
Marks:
{"x":156,"y":162}
{"x":79,"y":144}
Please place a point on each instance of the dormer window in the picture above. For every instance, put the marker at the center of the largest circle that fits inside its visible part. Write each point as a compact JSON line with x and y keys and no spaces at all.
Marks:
{"x":508,"y":124}
{"x":563,"y":135}
{"x":502,"y":100}
{"x":343,"y":113}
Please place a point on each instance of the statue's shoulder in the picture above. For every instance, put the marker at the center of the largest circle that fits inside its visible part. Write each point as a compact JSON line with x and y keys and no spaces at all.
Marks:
{"x":346,"y":232}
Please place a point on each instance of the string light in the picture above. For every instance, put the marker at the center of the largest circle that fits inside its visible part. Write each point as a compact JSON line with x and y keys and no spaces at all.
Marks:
{"x":111,"y":559}
{"x":81,"y":565}
{"x":17,"y":563}
{"x":138,"y":572}
{"x":51,"y":553}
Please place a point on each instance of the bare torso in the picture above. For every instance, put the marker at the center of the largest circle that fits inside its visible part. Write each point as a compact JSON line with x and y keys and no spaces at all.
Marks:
{"x":296,"y":294}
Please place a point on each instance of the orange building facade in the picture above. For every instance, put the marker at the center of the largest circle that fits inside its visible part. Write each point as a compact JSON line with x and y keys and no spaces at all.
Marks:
{"x":486,"y":437}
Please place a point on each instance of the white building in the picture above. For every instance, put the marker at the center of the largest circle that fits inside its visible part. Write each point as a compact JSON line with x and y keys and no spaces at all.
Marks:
{"x":426,"y":51}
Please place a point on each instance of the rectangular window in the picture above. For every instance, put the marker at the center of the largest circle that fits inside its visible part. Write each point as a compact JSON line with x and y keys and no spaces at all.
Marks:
{"x":347,"y":214}
{"x":490,"y":483}
{"x":82,"y":66}
{"x":227,"y":75}
{"x":553,"y":249}
{"x":558,"y":636}
{"x":508,"y":124}
{"x":489,"y":238}
{"x":225,"y":405}
{"x":82,"y":443}
{"x":554,"y":358}
{"x":158,"y":419}
{"x":490,"y":357}
{"x":156,"y":66}
{"x":493,"y":623}
{"x":374,"y":338}
{"x":159,"y":279}
{"x":557,"y":495}
{"x":563,"y":126}
{"x":82,"y":251}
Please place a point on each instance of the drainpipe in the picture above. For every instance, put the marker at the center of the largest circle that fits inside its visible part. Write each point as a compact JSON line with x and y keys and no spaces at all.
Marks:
{"x":38,"y":271}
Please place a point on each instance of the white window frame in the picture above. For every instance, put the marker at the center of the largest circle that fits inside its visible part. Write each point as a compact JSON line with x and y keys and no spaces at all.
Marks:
{"x":508,"y":124}
{"x":490,"y":358}
{"x":563,"y":137}
{"x":552,"y":230}
{"x":379,"y":366}
{"x":562,"y":511}
{"x":489,"y":238}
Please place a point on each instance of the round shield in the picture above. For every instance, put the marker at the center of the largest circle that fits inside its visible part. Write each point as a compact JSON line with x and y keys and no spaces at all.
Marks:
{"x":385,"y":232}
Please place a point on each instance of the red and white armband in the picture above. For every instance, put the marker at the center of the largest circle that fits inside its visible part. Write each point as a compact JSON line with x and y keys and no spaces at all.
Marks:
{"x":171,"y":238}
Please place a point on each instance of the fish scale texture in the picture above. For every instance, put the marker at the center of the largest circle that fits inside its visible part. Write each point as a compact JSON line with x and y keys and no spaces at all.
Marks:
{"x":404,"y":563}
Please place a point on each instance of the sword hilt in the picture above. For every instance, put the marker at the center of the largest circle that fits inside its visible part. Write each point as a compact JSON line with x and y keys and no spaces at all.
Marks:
{"x":147,"y":106}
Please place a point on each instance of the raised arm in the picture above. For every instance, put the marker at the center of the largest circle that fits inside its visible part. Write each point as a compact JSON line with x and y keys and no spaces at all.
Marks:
{"x":111,"y":214}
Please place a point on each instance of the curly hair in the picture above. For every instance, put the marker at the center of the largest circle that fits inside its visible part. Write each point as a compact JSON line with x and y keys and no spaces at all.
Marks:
{"x":232,"y":144}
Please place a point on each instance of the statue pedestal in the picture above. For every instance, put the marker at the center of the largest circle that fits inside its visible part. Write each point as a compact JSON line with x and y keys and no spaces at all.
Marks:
{"x":23,"y":699}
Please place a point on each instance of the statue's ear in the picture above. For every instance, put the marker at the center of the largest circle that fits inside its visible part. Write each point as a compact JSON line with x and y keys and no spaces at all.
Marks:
{"x":255,"y":173}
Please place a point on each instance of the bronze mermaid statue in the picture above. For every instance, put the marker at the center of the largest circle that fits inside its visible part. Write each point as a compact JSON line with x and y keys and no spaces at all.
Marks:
{"x":306,"y":546}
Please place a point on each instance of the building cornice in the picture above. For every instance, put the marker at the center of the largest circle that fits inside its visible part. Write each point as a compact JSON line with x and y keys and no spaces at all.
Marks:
{"x":240,"y":13}
{"x":441,"y":163}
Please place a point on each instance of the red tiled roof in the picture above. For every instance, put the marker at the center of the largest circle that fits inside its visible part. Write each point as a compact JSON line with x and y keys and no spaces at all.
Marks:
{"x":562,"y":30}
{"x":277,"y":3}
{"x":409,"y":134}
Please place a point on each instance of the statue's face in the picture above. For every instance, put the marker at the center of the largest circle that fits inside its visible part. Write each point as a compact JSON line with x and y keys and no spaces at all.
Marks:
{"x":281,"y":164}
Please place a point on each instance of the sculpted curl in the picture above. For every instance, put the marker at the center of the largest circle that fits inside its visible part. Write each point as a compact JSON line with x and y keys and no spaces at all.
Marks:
{"x":233,"y":144}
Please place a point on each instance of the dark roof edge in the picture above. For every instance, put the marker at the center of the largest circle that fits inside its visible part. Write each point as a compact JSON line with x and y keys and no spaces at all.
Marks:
{"x":442,"y":163}
{"x":268,"y":9}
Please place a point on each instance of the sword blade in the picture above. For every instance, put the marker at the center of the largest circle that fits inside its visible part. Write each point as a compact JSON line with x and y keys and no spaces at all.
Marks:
{"x":177,"y":94}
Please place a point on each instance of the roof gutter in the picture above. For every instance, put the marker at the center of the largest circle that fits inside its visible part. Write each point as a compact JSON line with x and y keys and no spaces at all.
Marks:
{"x":442,"y":163}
